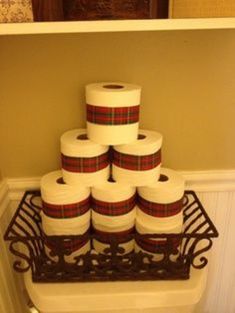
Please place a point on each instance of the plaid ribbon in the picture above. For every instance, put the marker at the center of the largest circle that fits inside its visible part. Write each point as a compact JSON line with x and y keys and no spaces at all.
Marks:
{"x":159,"y":209}
{"x":112,"y":116}
{"x":85,"y":165}
{"x":66,"y":210}
{"x":136,"y":162}
{"x":114,"y":208}
{"x":70,"y":245}
{"x":120,"y":237}
{"x":156,"y":246}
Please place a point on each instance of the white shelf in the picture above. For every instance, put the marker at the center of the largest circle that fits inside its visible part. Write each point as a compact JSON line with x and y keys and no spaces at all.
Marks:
{"x":116,"y":26}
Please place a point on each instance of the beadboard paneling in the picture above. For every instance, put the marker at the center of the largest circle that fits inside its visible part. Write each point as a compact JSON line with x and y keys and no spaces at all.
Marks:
{"x":11,"y":296}
{"x":220,"y":292}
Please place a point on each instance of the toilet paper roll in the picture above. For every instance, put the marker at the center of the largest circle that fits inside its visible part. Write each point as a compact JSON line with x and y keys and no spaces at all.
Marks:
{"x":174,"y":226}
{"x":112,"y":192}
{"x":139,"y":162}
{"x":114,"y":223}
{"x":60,"y":200}
{"x":161,"y":243}
{"x":114,"y":208}
{"x":155,"y":222}
{"x":113,"y":205}
{"x":167,"y":190}
{"x":83,"y":161}
{"x":112,"y":112}
{"x":105,"y":240}
{"x":74,"y":248}
{"x":55,"y":191}
{"x":69,"y":226}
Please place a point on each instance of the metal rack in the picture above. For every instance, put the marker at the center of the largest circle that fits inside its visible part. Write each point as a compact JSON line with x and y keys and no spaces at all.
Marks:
{"x":29,"y":244}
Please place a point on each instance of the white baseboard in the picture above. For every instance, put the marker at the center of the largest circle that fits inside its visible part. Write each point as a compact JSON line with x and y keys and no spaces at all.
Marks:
{"x":17,"y":186}
{"x":201,"y":181}
{"x":210,"y":181}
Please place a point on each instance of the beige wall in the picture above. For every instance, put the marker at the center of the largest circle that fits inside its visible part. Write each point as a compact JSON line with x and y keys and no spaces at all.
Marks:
{"x":188,"y":80}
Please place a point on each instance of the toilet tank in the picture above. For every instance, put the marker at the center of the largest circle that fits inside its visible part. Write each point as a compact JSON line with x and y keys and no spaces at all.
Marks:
{"x":179,"y":296}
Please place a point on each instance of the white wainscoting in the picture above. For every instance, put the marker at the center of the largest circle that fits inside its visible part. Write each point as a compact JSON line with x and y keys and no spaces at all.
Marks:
{"x":216,"y":191}
{"x":220,"y":294}
{"x":11,"y":298}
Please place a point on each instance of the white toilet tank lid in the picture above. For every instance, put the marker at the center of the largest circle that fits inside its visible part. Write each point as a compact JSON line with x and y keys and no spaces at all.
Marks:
{"x":97,"y":296}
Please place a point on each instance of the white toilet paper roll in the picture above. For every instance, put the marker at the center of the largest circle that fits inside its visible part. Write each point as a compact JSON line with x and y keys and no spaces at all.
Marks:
{"x":60,"y":200}
{"x":83,"y":161}
{"x":155,"y":222}
{"x":112,"y":112}
{"x":66,"y":226}
{"x":113,"y":205}
{"x":103,"y":240}
{"x":174,"y":226}
{"x":55,"y":191}
{"x":112,"y":192}
{"x":114,"y":223}
{"x":159,"y":244}
{"x":168,"y":189}
{"x":100,"y":246}
{"x":138,"y":163}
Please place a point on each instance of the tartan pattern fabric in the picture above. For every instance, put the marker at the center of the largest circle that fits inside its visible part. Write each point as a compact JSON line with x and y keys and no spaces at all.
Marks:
{"x":136,"y":162}
{"x":120,"y":237}
{"x":112,"y":116}
{"x":159,"y":209}
{"x":70,"y":245}
{"x":66,"y":210}
{"x":85,"y":165}
{"x":113,"y":208}
{"x":157,"y":246}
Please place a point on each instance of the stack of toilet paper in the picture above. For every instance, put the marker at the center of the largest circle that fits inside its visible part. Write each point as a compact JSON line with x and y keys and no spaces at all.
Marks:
{"x":112,"y":157}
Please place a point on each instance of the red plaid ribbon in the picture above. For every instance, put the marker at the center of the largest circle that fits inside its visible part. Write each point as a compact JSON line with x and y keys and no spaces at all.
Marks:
{"x":120,"y":237}
{"x":157,"y":246}
{"x":112,"y":116}
{"x":114,"y":208}
{"x":70,"y":245}
{"x":85,"y":165}
{"x":66,"y":210}
{"x":159,"y":209}
{"x":137,"y":162}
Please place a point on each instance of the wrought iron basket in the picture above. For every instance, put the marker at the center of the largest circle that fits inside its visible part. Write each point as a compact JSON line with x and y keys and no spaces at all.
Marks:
{"x":176,"y":256}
